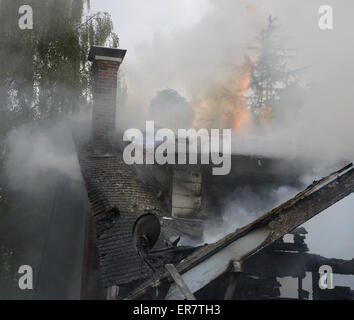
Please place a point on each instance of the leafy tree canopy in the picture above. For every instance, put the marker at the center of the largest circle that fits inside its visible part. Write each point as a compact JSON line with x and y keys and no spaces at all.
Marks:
{"x":44,"y":72}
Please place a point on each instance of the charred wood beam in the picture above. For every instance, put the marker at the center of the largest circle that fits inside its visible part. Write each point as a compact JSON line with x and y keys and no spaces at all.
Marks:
{"x":315,"y":287}
{"x":302,"y":294}
{"x":211,"y":261}
{"x":230,"y":290}
{"x":179,"y":282}
{"x":236,"y":269}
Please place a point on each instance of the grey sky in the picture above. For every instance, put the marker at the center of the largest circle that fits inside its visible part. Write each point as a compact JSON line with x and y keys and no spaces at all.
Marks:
{"x":138,"y":21}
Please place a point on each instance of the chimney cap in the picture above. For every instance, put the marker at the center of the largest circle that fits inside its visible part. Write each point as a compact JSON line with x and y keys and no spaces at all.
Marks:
{"x":105,"y":52}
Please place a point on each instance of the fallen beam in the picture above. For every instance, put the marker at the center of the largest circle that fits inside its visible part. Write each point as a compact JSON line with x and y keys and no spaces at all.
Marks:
{"x":179,"y":282}
{"x":234,"y":278}
{"x":213,"y":260}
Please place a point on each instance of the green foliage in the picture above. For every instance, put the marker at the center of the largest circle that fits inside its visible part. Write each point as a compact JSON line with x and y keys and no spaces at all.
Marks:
{"x":44,"y":72}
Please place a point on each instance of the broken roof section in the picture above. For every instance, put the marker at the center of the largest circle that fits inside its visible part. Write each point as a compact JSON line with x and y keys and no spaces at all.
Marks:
{"x":213,"y":260}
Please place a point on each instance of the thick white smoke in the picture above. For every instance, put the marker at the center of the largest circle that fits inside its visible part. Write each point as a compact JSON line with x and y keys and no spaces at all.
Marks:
{"x":35,"y":153}
{"x":194,"y":59}
{"x":242,"y":207}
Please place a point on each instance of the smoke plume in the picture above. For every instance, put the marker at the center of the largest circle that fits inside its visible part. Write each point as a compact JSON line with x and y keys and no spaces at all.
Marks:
{"x":197,"y":59}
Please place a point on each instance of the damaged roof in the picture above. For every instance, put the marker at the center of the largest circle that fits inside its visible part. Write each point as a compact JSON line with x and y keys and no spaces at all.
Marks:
{"x":246,"y":241}
{"x":118,"y":198}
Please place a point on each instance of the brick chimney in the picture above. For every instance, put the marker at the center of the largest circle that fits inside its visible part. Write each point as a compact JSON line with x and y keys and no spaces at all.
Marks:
{"x":105,"y":65}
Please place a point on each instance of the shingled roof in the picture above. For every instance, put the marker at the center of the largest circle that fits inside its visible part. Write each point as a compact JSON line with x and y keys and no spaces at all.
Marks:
{"x":118,"y":198}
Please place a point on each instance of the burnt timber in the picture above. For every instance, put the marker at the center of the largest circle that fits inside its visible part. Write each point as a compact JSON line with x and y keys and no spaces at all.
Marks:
{"x":213,"y":260}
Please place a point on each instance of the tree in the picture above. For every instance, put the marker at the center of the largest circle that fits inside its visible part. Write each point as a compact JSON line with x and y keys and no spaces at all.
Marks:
{"x":274,"y":87}
{"x":170,"y":110}
{"x":44,"y":72}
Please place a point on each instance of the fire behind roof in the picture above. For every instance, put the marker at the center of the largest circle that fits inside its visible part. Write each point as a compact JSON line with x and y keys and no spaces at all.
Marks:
{"x":182,"y":198}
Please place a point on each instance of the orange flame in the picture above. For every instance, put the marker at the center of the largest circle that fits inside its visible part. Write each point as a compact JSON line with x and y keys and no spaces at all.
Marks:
{"x":225,"y":105}
{"x":251,"y":8}
{"x":242,"y":118}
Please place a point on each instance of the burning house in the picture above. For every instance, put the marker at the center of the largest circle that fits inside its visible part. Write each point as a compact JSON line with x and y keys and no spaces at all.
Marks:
{"x":144,"y":236}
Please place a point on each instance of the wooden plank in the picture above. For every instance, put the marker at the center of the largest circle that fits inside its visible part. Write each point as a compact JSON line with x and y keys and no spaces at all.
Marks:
{"x":182,"y":187}
{"x":179,"y":282}
{"x":230,"y":290}
{"x":187,"y":174}
{"x":112,"y":293}
{"x":185,"y":201}
{"x":186,"y":191}
{"x":182,"y":212}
